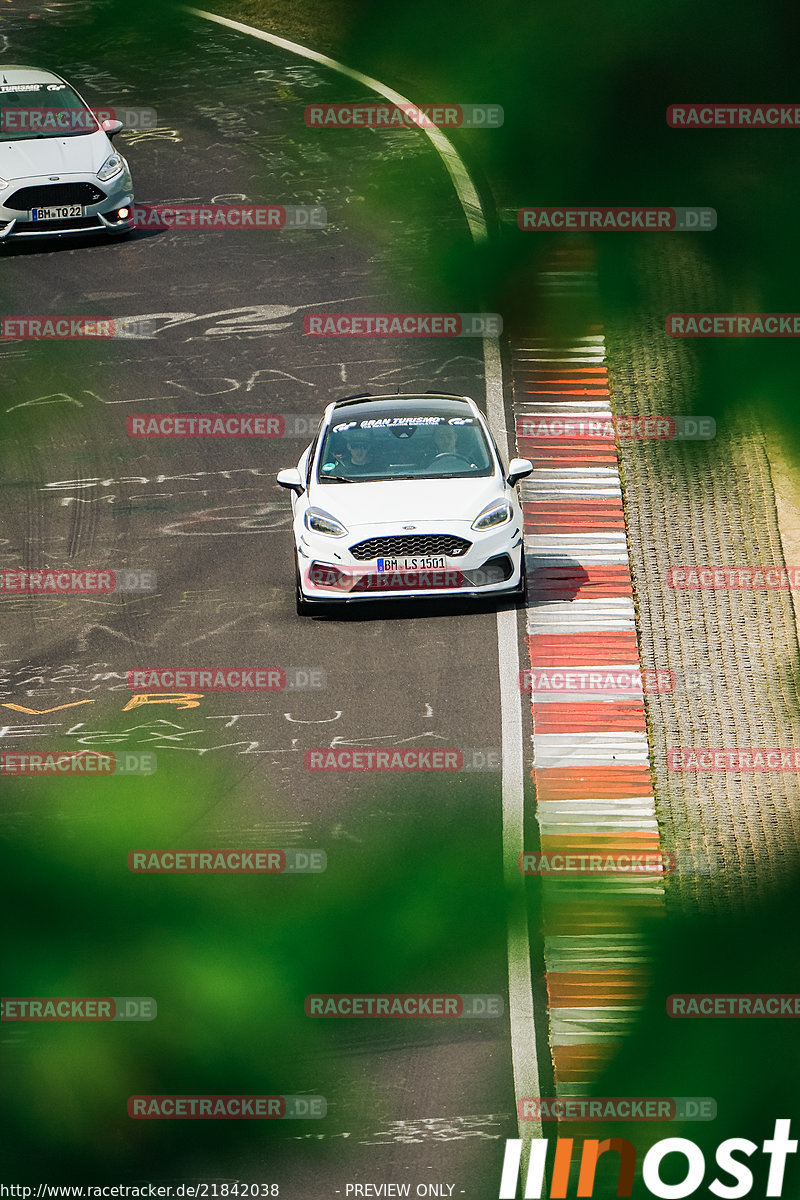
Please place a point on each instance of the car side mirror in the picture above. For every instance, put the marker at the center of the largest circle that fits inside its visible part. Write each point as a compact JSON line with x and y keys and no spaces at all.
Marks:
{"x":112,"y":128}
{"x":292,"y":479}
{"x":518,"y":468}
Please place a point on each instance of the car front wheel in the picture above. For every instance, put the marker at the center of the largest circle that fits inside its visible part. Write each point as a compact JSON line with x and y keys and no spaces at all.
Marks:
{"x":301,"y":604}
{"x":521,"y":593}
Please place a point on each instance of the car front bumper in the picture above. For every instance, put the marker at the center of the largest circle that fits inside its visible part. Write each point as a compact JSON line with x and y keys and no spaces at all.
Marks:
{"x":99,"y":218}
{"x":493,"y":566}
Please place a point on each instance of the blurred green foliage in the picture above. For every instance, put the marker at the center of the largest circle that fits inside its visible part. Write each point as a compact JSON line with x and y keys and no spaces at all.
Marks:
{"x":228,"y":958}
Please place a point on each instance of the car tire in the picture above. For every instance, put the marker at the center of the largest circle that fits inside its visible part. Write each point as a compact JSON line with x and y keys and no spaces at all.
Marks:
{"x":521,"y":594}
{"x":302,"y":605}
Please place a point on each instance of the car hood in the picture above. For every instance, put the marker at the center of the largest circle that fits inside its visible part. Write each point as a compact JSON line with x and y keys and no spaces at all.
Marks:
{"x":79,"y":155}
{"x":418,"y":501}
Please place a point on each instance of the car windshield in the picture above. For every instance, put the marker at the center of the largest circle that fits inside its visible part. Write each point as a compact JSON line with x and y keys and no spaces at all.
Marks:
{"x":404,"y":439}
{"x":40,"y":110}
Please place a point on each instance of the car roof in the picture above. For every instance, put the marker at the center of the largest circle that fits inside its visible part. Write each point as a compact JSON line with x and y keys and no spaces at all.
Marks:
{"x":342,"y":407}
{"x":367,"y":397}
{"x":15,"y":73}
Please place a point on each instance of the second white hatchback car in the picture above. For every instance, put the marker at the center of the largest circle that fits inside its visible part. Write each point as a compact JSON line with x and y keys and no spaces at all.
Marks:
{"x":405,"y":496}
{"x":59,"y":173}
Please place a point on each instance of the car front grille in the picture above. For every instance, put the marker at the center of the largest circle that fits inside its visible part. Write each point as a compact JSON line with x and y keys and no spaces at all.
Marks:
{"x":416,"y":544}
{"x":50,"y":195}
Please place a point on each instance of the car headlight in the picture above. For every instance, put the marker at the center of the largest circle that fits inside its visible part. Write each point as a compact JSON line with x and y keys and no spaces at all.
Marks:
{"x":111,"y":167}
{"x":318,"y":521}
{"x":496,"y":513}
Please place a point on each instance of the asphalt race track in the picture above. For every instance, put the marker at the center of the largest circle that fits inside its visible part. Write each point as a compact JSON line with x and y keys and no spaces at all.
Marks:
{"x":223,"y":315}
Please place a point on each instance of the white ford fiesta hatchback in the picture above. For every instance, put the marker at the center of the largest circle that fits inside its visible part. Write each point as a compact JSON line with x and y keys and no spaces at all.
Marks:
{"x":404,"y":496}
{"x":59,"y":173}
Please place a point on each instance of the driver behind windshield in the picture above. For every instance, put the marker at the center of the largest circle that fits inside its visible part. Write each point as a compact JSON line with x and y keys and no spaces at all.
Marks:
{"x":358,"y":456}
{"x":445,"y":439}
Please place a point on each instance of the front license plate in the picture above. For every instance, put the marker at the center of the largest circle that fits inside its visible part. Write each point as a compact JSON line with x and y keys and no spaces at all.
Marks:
{"x":58,"y":214}
{"x":422,"y":563}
